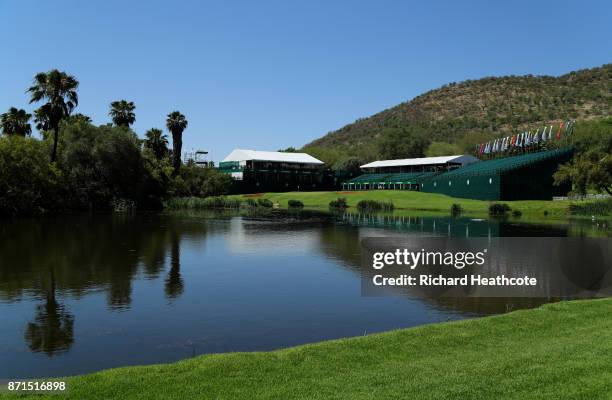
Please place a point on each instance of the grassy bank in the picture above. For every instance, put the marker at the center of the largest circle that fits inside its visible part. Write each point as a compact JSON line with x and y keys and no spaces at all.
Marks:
{"x":419,"y":201}
{"x":561,"y":350}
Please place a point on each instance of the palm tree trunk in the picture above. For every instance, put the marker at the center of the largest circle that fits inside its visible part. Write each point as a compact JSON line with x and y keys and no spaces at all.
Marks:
{"x":55,"y":138}
{"x":177,"y":145}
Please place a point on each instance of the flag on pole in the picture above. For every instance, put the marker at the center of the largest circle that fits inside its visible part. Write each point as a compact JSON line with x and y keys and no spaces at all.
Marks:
{"x":559,"y":131}
{"x":550,"y":133}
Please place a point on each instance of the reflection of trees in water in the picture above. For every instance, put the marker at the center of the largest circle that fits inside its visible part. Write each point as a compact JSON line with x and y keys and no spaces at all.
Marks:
{"x":93,"y":252}
{"x":52,"y":330}
{"x":73,"y":255}
{"x":174,"y":282}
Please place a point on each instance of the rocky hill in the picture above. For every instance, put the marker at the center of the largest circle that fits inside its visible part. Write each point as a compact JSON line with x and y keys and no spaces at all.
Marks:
{"x":491,"y":105}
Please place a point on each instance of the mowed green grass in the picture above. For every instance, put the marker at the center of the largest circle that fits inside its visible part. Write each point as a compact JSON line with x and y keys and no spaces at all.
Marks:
{"x":558,"y":351}
{"x":417,"y":201}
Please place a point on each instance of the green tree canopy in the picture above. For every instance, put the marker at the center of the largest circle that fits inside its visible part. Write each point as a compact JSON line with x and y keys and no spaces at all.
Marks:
{"x":122,"y":112}
{"x":398,"y":143}
{"x":59,"y":90}
{"x":176,"y":124}
{"x":436,"y":149}
{"x":15,"y":122}
{"x":157,"y":142}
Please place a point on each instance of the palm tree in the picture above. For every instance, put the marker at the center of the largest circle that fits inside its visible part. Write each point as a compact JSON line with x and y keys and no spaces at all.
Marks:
{"x":79,"y":118}
{"x":15,"y":122}
{"x":60,"y":91}
{"x":176,"y":124}
{"x":157,"y":142}
{"x":122,"y":112}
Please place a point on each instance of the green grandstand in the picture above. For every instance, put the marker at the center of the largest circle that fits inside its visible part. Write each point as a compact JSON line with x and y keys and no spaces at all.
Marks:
{"x":521,"y":177}
{"x":397,"y":181}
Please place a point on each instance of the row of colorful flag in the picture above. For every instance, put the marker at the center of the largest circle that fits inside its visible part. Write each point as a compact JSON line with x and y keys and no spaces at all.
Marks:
{"x":525,"y":139}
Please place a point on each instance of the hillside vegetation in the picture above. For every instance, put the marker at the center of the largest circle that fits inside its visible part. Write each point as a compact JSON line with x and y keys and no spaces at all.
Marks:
{"x":468,"y":112}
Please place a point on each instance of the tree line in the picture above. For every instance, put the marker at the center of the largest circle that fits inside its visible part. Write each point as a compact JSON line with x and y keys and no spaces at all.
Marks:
{"x":77,"y":164}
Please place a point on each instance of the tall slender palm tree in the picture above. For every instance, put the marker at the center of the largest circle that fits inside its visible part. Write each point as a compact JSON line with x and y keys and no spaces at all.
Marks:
{"x":157,"y":142}
{"x":60,"y":92}
{"x":122,"y":112}
{"x":15,"y":122}
{"x":176,"y":124}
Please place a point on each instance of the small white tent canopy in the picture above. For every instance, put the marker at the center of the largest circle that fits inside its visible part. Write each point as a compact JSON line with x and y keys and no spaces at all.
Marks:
{"x":274,"y":156}
{"x":407,"y":162}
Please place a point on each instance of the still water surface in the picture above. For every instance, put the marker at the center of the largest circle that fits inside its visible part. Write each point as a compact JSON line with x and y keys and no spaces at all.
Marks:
{"x":82,"y":293}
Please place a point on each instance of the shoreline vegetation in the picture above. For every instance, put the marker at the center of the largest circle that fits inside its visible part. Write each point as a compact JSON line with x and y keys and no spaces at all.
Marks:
{"x":388,"y":200}
{"x":540,"y":352}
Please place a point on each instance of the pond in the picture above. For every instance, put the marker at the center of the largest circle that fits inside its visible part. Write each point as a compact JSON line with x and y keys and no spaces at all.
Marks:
{"x":81,"y":293}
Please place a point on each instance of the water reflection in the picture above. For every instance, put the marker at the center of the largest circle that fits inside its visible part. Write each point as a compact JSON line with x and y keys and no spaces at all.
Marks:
{"x":86,"y":289}
{"x":174,"y":282}
{"x":51,"y":331}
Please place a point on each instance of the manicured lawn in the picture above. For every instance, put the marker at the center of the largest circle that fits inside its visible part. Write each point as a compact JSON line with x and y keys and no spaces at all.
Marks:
{"x":558,"y":351}
{"x":418,"y":201}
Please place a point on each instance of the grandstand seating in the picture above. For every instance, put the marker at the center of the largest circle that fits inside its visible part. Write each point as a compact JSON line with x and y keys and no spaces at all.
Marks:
{"x":501,"y":165}
{"x":389,"y":178}
{"x":407,"y":180}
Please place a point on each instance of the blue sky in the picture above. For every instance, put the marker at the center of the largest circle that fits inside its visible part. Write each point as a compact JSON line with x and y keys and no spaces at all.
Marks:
{"x":271,"y":74}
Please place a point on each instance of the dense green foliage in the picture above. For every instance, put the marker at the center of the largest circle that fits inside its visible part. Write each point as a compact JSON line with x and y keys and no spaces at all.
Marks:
{"x":295,"y":204}
{"x":498,"y":209}
{"x":103,"y":163}
{"x":28,"y":183}
{"x":404,"y":142}
{"x":156,"y":142}
{"x":15,"y":122}
{"x":601,"y":207}
{"x":557,"y":351}
{"x":339,"y":203}
{"x":456,"y":209}
{"x":436,"y":149}
{"x":122,"y":112}
{"x":265,"y":203}
{"x":591,"y":168}
{"x":195,"y":203}
{"x":466,"y":113}
{"x":194,"y":181}
{"x":98,"y":167}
